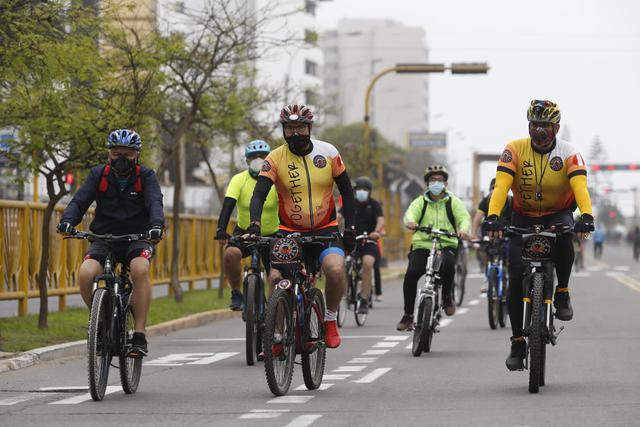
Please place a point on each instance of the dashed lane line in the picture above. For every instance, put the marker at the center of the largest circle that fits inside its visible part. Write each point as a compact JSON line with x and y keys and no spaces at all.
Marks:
{"x":396,"y":338}
{"x":84,"y":397}
{"x":363,"y":360}
{"x":335,"y":377}
{"x":629,"y":282}
{"x":304,"y":420}
{"x":386,"y":344}
{"x":462,"y":310}
{"x":260,"y":414}
{"x":377,"y":352}
{"x":291,"y":399}
{"x":323,"y":386}
{"x":622,"y":268}
{"x":474,"y":302}
{"x":372,"y":376}
{"x":356,"y":368}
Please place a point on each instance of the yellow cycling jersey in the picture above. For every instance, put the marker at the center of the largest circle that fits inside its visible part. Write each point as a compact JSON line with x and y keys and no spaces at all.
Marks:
{"x":542,"y":183}
{"x":305,"y":185}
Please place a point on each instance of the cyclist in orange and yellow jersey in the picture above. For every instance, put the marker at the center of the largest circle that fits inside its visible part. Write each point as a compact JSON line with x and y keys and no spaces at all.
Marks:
{"x":548,"y":177}
{"x":303,"y":171}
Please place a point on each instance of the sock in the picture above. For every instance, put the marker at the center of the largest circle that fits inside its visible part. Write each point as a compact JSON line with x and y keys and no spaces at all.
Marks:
{"x":330,"y":315}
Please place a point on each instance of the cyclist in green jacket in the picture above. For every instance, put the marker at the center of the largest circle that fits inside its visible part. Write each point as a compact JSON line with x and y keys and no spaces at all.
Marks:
{"x":438,"y":208}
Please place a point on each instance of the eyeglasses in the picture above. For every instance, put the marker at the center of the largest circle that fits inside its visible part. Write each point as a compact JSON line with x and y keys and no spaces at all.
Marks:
{"x":290,"y":129}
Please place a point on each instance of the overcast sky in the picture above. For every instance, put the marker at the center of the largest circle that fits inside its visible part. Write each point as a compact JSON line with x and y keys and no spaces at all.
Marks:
{"x":583,"y":54}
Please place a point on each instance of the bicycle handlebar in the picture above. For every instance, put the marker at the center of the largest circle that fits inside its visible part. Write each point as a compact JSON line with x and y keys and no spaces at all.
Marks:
{"x":88,"y":235}
{"x":436,"y":232}
{"x":557,"y":229}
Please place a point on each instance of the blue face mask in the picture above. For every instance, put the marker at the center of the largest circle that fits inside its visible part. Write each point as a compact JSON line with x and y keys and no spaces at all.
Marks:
{"x":362,"y":195}
{"x":436,"y":187}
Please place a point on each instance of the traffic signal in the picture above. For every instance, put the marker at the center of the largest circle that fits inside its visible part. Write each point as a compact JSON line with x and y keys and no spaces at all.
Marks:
{"x":70,"y":181}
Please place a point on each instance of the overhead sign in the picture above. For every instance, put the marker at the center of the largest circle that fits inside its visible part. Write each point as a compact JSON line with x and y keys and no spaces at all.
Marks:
{"x":427,"y":140}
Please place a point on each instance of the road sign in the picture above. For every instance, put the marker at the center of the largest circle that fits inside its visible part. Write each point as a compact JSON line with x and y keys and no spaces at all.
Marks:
{"x":427,"y":140}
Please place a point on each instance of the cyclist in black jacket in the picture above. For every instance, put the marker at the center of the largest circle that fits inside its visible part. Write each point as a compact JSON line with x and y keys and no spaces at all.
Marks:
{"x":128,"y":201}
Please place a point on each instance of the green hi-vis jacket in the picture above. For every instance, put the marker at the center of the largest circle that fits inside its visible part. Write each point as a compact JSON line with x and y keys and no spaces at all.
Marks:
{"x":435,"y":216}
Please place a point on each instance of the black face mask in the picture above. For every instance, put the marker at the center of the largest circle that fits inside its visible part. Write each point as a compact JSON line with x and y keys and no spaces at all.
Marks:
{"x":122,"y":166}
{"x":299,"y":144}
{"x":542,"y":138}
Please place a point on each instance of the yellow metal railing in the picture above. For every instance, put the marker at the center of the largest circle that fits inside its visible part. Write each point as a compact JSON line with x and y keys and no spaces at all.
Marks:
{"x":21,"y":249}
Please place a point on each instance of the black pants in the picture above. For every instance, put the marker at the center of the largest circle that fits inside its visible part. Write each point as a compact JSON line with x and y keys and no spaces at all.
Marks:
{"x":376,"y":276}
{"x":563,"y":260}
{"x":416,"y":269}
{"x":597,"y":249}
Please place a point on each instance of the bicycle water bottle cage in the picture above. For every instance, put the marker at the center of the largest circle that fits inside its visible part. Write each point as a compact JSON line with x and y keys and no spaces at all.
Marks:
{"x":538,"y":246}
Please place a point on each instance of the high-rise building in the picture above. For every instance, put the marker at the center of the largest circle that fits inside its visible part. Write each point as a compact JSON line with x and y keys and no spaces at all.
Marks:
{"x":357,"y":50}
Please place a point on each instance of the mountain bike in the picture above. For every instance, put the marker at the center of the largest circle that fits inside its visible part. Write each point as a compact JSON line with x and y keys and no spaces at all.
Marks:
{"x":538,"y":245}
{"x":496,"y":275}
{"x":353,"y":264}
{"x":254,"y":299}
{"x":111,"y":320}
{"x":294,"y":322}
{"x":428,"y":307}
{"x":460,"y":277}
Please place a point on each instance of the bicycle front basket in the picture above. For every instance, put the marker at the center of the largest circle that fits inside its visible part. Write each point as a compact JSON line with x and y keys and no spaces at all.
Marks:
{"x":537,"y":246}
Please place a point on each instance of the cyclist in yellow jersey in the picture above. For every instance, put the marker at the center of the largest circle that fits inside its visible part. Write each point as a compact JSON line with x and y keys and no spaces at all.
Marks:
{"x":548,"y":177}
{"x":303,"y":172}
{"x":239,"y":194}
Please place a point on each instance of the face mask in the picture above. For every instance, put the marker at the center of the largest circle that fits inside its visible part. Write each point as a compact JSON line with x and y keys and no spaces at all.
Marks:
{"x":362,"y":195}
{"x":436,"y":187}
{"x":122,"y":165}
{"x":542,"y":137}
{"x":255,"y":166}
{"x":299,"y":144}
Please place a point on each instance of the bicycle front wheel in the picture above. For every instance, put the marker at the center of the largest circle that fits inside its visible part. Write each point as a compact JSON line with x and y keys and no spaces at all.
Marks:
{"x":130,"y":367}
{"x":279,"y":342}
{"x":422,"y":332}
{"x":493,"y":300}
{"x":535,"y":333}
{"x":459,"y":284}
{"x":251,"y":318}
{"x":98,"y":351}
{"x":314,"y":350}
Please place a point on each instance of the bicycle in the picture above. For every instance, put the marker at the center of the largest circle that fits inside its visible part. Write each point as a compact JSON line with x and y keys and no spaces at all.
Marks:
{"x":294,"y":321}
{"x":428,"y":308}
{"x":538,"y":244}
{"x":111,"y":320}
{"x":353,"y":263}
{"x":254,"y":299}
{"x":496,"y":275}
{"x":578,"y":262}
{"x":460,"y":277}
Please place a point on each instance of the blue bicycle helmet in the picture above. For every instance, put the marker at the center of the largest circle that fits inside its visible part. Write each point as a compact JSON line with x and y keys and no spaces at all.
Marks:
{"x":257,"y":147}
{"x":124,"y":138}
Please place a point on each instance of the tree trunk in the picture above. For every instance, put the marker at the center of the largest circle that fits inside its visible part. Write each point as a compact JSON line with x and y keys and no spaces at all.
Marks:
{"x":177,"y":189}
{"x":214,"y":178}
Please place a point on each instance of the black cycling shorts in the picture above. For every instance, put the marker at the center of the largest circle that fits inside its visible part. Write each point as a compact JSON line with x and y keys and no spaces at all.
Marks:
{"x":123,"y":252}
{"x":369,"y":248}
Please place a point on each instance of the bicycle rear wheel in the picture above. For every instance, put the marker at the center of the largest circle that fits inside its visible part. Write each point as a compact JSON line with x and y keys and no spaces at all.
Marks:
{"x":459,"y":284}
{"x":535,"y":333}
{"x":279,"y":342}
{"x":98,"y":351}
{"x":251,"y":318}
{"x":493,"y":301}
{"x":314,"y":350}
{"x":130,"y":367}
{"x":361,"y":318}
{"x":422,"y":332}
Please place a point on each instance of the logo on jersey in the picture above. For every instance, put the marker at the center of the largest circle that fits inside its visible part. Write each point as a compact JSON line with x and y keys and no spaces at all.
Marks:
{"x":266,"y":166}
{"x":556,"y":163}
{"x":506,"y":156}
{"x":319,"y":161}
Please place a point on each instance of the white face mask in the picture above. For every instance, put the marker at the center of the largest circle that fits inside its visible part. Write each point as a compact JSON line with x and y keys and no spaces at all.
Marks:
{"x":362,"y":195}
{"x":255,"y":165}
{"x":436,"y":187}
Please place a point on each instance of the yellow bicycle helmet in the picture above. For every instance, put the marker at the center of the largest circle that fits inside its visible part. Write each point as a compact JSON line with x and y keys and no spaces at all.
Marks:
{"x":436,"y":169}
{"x":543,"y":111}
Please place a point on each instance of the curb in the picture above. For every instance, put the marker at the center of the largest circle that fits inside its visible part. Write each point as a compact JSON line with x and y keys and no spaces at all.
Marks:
{"x":78,"y":348}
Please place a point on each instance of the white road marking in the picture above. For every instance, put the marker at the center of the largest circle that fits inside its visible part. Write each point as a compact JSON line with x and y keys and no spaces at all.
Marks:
{"x":363,"y":360}
{"x":374,"y":352}
{"x":462,"y":310}
{"x":409,"y":346}
{"x":334,"y":377}
{"x":256,"y":414}
{"x":17,"y":399}
{"x":474,"y":302}
{"x":629,"y":282}
{"x":215,"y":358}
{"x":84,"y":397}
{"x":581,"y":274}
{"x":387,"y":344}
{"x":621,"y":268}
{"x":304,"y":420}
{"x":349,"y":368}
{"x":445,"y":322}
{"x":177,"y":359}
{"x":483,"y":296}
{"x":291,"y":399}
{"x":323,"y":386}
{"x":396,"y":337}
{"x":372,"y":376}
{"x":65,"y":388}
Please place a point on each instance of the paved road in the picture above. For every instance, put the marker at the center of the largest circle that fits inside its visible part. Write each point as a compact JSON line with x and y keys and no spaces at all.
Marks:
{"x":198,"y":376}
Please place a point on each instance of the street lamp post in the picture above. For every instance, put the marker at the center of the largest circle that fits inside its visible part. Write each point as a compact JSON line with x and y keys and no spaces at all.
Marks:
{"x":455,"y":68}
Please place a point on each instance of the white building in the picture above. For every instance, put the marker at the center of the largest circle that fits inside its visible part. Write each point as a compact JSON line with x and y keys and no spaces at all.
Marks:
{"x":357,"y":50}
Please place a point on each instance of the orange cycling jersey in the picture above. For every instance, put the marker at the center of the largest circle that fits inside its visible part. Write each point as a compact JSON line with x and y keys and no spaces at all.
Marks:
{"x":542,"y":183}
{"x":305,"y":185}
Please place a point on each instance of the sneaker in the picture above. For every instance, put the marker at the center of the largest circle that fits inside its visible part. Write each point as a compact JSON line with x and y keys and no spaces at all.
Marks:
{"x":449,"y":306}
{"x":332,"y":336}
{"x":379,"y":298}
{"x":515,"y":360}
{"x":562,"y":303}
{"x":236,"y":301}
{"x":138,"y":346}
{"x":363,"y":305}
{"x":405,"y":323}
{"x":483,"y":289}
